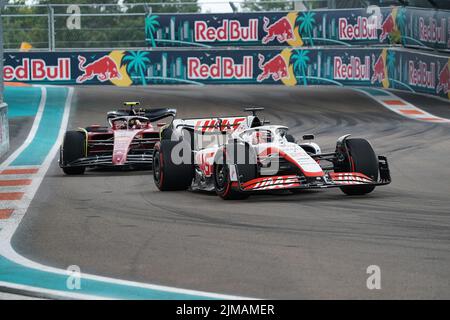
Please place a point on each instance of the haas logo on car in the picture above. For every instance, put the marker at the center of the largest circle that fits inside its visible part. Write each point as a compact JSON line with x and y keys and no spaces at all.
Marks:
{"x":443,"y":80}
{"x":387,"y":27}
{"x":104,"y":69}
{"x":280,"y":29}
{"x":276,"y":68}
{"x":378,"y":69}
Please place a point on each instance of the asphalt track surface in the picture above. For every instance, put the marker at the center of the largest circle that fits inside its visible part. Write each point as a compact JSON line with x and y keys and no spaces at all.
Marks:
{"x":316,"y":244}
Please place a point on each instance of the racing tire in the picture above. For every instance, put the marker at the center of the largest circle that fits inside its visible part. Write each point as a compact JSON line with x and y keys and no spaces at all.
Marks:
{"x":221,"y":171}
{"x":364,"y":160}
{"x":167,"y":175}
{"x":73,"y":148}
{"x":166,"y":134}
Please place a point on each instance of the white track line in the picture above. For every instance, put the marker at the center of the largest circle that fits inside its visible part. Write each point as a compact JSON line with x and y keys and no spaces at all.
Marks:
{"x":48,"y":293}
{"x":402,"y":107}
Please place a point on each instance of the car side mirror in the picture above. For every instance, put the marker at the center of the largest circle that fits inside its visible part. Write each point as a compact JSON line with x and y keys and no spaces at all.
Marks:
{"x":308,"y":137}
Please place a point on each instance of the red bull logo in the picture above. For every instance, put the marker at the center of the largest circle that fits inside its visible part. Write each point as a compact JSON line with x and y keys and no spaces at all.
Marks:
{"x":423,"y":76}
{"x":378,"y":69}
{"x":363,"y":29}
{"x":222,"y":68}
{"x":276,"y":68}
{"x":38,"y":70}
{"x":280,"y":29}
{"x":443,"y":80}
{"x":387,"y":27}
{"x":432,"y":32}
{"x":104,"y":68}
{"x":230,"y":30}
{"x":354,"y":70}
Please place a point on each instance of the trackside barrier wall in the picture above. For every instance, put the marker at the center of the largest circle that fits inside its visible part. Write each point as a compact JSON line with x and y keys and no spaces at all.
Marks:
{"x":397,"y":68}
{"x":4,"y":129}
{"x":409,"y":26}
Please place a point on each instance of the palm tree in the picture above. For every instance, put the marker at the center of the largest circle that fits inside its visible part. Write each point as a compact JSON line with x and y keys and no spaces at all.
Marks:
{"x":307,"y":21}
{"x":136,"y":62}
{"x":401,"y":21}
{"x":151,"y":25}
{"x":390,"y":64}
{"x":300,"y":62}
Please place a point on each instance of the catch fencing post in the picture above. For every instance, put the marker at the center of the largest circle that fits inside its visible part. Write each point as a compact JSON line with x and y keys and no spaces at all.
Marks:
{"x":51,"y":28}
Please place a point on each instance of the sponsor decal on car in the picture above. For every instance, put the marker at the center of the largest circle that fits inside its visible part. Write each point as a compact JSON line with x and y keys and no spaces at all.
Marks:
{"x":271,"y":183}
{"x":349,"y":178}
{"x":218,"y":124}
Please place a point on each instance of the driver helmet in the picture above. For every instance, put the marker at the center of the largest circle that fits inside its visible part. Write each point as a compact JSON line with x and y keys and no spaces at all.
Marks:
{"x":135,"y":123}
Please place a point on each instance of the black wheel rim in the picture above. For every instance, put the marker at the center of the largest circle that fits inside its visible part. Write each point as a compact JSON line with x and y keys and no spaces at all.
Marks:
{"x":221,"y":177}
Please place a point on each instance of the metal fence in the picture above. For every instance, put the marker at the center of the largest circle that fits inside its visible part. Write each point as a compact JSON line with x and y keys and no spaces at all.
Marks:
{"x":59,"y":27}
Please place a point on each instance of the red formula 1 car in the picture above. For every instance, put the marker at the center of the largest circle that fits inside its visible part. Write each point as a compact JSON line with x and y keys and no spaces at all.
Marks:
{"x":127,"y":141}
{"x":239,"y":156}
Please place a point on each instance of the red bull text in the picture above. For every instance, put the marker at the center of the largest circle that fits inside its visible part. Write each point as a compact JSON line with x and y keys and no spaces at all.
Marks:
{"x":38,"y":70}
{"x":355,"y":70}
{"x":432,"y":32}
{"x":364,"y":29}
{"x":230,"y":30}
{"x":422,"y":76}
{"x":222,"y":68}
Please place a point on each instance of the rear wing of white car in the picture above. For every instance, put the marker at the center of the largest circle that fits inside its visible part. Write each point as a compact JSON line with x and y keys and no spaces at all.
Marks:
{"x":218,"y":124}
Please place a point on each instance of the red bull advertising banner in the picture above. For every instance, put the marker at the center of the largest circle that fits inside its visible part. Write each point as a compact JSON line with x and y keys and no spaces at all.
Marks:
{"x":424,"y":28}
{"x":348,"y":27}
{"x":398,"y":68}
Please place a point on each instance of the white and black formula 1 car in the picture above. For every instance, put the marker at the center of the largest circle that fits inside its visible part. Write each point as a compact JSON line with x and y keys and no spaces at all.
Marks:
{"x":243,"y":155}
{"x":127,"y":142}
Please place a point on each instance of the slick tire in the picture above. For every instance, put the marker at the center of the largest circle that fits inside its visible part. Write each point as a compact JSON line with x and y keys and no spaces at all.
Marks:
{"x":221,"y":170}
{"x":170,"y":176}
{"x":166,"y":134}
{"x":73,"y":148}
{"x":364,"y":160}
